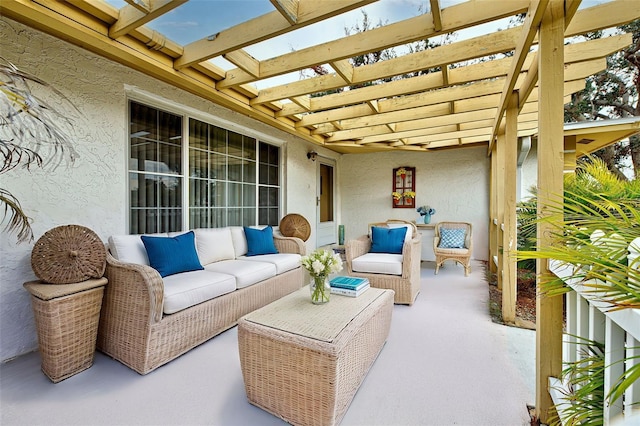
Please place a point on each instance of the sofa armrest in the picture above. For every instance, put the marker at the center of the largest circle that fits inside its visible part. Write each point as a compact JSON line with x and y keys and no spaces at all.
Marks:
{"x":356,"y":248}
{"x":133,"y":291}
{"x":411,"y":256}
{"x":289,"y":245}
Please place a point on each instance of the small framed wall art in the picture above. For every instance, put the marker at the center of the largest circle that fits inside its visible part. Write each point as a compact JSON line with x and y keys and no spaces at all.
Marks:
{"x":404,"y":188}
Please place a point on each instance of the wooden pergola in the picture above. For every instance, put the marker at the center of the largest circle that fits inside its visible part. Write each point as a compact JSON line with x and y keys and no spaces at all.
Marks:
{"x":474,"y":95}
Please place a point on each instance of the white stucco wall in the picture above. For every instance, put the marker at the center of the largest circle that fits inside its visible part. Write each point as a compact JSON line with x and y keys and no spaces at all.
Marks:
{"x":454,"y":182}
{"x":92,"y":192}
{"x":529,"y":171}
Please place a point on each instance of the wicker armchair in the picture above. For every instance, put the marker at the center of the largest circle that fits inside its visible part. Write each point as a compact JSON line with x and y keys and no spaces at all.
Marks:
{"x":405,"y":284}
{"x":460,"y":253}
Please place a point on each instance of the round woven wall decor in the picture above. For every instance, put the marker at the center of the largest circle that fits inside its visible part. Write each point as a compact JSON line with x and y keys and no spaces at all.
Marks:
{"x":295,"y":225}
{"x":68,"y":254}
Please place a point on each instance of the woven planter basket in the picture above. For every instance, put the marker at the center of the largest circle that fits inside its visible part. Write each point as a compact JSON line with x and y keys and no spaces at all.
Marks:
{"x":295,"y":225}
{"x":68,"y":254}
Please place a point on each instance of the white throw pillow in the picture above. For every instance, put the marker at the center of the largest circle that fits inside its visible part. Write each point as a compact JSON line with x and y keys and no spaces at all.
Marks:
{"x":130,"y":249}
{"x":214,"y":245}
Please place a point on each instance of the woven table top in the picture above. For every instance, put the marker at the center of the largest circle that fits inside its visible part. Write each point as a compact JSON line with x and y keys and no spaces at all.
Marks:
{"x":45,"y":291}
{"x":296,"y":314}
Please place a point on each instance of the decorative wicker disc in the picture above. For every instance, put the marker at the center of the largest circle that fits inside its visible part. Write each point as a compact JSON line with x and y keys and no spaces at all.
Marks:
{"x":68,"y":254}
{"x":295,"y":225}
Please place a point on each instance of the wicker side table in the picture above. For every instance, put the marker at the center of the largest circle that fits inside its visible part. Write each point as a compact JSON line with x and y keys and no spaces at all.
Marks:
{"x":67,"y":317}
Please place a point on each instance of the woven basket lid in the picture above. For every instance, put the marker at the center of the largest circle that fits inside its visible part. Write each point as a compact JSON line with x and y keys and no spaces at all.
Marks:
{"x":68,"y":254}
{"x":295,"y":225}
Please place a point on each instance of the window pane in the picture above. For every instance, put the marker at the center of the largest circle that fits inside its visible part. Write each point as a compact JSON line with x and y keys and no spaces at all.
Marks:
{"x":234,"y":144}
{"x":218,"y":139}
{"x":198,"y":134}
{"x":248,"y":217}
{"x":249,"y":171}
{"x":234,"y":196}
{"x":170,"y":189}
{"x":264,"y":174}
{"x":170,"y":159}
{"x":198,"y":193}
{"x":249,"y":195}
{"x":144,"y":121}
{"x":218,"y":166}
{"x":217,"y":193}
{"x":198,"y":217}
{"x":273,"y":175}
{"x":170,"y":128}
{"x":171,"y":220}
{"x":198,"y":163}
{"x":249,"y":148}
{"x":235,"y":169}
{"x":218,"y":218}
{"x":143,"y":155}
{"x":234,"y":217}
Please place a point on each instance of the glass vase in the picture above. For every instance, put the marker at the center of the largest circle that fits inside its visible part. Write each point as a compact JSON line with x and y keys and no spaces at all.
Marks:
{"x":427,"y":218}
{"x":320,"y":290}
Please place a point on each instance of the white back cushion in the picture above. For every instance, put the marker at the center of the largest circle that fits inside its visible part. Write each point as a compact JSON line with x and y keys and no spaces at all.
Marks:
{"x":239,"y":241}
{"x":214,"y":245}
{"x":130,"y":249}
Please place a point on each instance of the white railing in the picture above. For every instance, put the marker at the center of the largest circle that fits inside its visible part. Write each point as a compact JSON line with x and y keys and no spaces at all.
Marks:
{"x":619,"y":330}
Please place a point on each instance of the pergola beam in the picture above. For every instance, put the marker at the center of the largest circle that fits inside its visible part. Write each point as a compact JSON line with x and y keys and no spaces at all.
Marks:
{"x":132,"y":17}
{"x":288,"y":9}
{"x":577,"y":52}
{"x":454,"y":18}
{"x":262,"y":28}
{"x":529,"y":30}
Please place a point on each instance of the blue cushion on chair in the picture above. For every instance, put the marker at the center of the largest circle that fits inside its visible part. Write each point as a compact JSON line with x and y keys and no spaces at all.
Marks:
{"x":387,"y":240}
{"x":452,"y":238}
{"x":260,"y":241}
{"x":172,"y":255}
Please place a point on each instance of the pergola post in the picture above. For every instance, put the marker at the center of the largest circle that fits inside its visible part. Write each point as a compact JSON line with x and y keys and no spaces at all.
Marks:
{"x":509,"y":241}
{"x":550,"y":187}
{"x":493,"y":212}
{"x":500,"y":182}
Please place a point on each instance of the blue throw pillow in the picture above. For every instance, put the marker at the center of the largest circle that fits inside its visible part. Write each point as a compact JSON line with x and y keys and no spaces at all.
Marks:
{"x":172,"y":255}
{"x":260,"y":241}
{"x":387,"y":240}
{"x":452,"y":238}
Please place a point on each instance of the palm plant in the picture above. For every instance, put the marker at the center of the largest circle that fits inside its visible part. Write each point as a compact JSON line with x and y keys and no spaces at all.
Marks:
{"x":584,"y":380}
{"x":601,"y":218}
{"x":31,"y":133}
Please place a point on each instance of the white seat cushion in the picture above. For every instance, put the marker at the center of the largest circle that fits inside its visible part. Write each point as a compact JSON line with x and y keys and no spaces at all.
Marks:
{"x":284,"y":261}
{"x":190,"y":288}
{"x":246,"y":272}
{"x":378,"y":263}
{"x":214,"y":245}
{"x":130,"y":249}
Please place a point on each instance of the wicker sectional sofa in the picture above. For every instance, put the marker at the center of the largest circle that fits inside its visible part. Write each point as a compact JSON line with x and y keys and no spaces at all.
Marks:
{"x":148,"y":320}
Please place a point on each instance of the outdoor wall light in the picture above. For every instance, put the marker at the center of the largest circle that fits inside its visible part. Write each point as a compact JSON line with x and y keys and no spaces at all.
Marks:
{"x":312,"y":155}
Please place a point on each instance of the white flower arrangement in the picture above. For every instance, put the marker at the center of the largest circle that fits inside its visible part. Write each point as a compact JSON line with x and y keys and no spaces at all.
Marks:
{"x":321,"y":263}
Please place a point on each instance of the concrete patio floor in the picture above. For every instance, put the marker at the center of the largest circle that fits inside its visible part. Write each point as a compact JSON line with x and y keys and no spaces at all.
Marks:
{"x":444,"y":363}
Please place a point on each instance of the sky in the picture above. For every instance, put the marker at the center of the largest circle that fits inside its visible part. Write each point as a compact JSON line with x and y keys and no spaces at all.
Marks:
{"x":198,"y":19}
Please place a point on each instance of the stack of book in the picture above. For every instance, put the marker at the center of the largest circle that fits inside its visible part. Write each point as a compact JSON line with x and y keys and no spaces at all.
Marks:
{"x":348,"y":286}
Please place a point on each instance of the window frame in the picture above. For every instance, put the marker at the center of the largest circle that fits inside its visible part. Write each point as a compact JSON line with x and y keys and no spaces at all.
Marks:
{"x":187,"y":113}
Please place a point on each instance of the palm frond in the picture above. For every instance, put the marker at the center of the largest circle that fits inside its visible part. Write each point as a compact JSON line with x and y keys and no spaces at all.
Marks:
{"x":18,"y":222}
{"x":31,"y":133}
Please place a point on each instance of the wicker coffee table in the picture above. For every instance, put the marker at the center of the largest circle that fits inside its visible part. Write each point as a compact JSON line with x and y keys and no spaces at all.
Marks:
{"x":304,"y":362}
